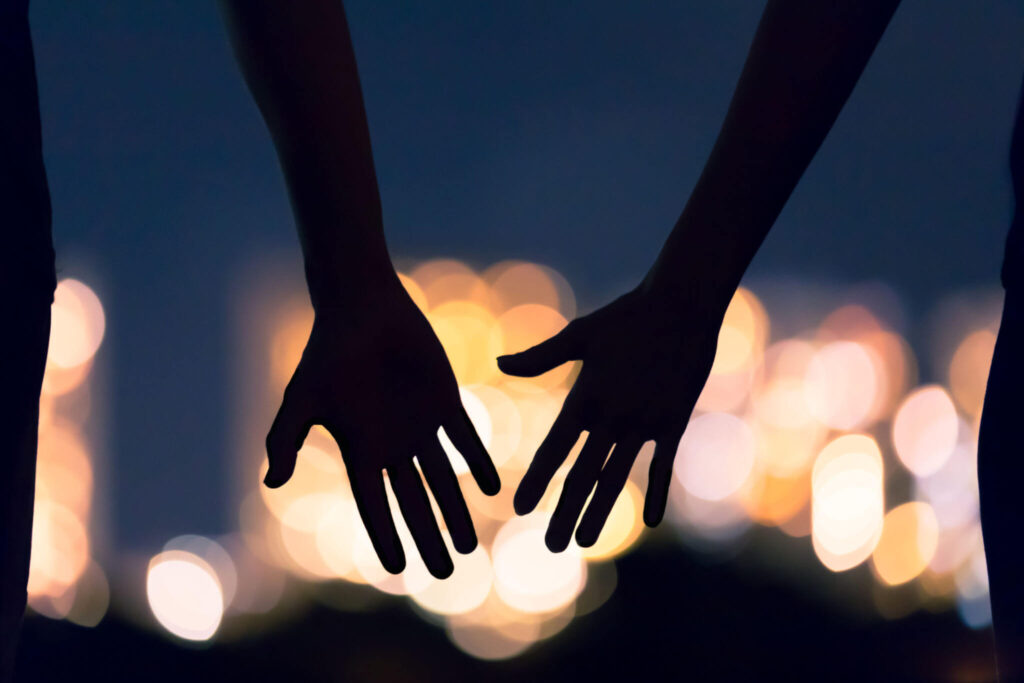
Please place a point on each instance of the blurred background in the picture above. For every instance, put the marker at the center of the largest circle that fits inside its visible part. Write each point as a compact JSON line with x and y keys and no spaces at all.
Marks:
{"x":823,"y":518}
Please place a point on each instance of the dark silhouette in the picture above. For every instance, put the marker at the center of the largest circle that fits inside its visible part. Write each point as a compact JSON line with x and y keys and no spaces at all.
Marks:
{"x":647,"y":355}
{"x":373,"y":372}
{"x":27,"y":282}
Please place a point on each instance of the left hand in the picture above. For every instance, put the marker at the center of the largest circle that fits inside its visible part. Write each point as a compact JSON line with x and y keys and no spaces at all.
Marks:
{"x":645,"y":360}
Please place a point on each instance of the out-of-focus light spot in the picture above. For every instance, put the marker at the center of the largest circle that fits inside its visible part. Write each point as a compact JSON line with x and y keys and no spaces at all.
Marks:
{"x":847,"y":322}
{"x":925,"y":430}
{"x":290,"y":336}
{"x":725,"y":392}
{"x":184,"y":595}
{"x":517,"y":282}
{"x":471,"y":337}
{"x":742,"y":335}
{"x":775,"y":500}
{"x":781,"y":404}
{"x":468,"y":287}
{"x":503,"y":418}
{"x":335,"y":534}
{"x":707,"y":525}
{"x":968,"y":371}
{"x":317,"y":471}
{"x":214,"y":555}
{"x":529,"y":577}
{"x":895,"y":368}
{"x":525,"y":326}
{"x":487,"y":643}
{"x":787,"y":453}
{"x":92,"y":597}
{"x":623,"y":528}
{"x":953,"y":489}
{"x":429,"y":272}
{"x":481,"y":419}
{"x":60,"y":549}
{"x":847,"y":501}
{"x":465,"y":590}
{"x":77,"y":324}
{"x":63,"y":469}
{"x":715,"y":455}
{"x":58,"y":381}
{"x":840,"y":386}
{"x":910,"y":537}
{"x":972,"y":575}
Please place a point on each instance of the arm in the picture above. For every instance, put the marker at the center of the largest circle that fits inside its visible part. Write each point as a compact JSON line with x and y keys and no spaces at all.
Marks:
{"x":27,"y":279}
{"x":647,"y":355}
{"x":373,"y":372}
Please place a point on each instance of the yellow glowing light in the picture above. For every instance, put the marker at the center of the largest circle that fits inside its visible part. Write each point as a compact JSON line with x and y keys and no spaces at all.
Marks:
{"x":925,"y":430}
{"x":519,"y":282}
{"x":968,"y":371}
{"x":59,"y":381}
{"x":841,"y":386}
{"x":623,"y":528}
{"x":910,"y":536}
{"x":317,"y":471}
{"x":742,"y":335}
{"x":715,"y":456}
{"x":847,"y":501}
{"x":529,"y":577}
{"x":788,"y":452}
{"x":77,"y":324}
{"x":527,"y":325}
{"x":60,"y":549}
{"x":498,"y":414}
{"x":288,"y":342}
{"x":335,"y":536}
{"x":184,"y":595}
{"x":471,"y":337}
{"x":465,"y":590}
{"x":63,"y":469}
{"x":776,"y":500}
{"x":725,"y":392}
{"x":429,"y":272}
{"x":461,"y":286}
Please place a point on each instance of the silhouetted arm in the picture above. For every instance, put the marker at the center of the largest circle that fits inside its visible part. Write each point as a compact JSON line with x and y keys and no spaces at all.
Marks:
{"x":27,"y":282}
{"x":373,"y":372}
{"x":647,"y":355}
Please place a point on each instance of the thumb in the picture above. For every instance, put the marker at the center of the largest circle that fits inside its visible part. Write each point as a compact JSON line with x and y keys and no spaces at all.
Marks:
{"x":284,"y":440}
{"x":549,"y":354}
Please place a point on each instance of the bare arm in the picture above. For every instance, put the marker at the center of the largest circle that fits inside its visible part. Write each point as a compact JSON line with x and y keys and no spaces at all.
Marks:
{"x":647,"y":355}
{"x":373,"y":372}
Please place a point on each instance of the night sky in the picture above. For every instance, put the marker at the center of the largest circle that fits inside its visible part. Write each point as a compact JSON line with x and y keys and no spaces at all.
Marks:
{"x":566,"y":133}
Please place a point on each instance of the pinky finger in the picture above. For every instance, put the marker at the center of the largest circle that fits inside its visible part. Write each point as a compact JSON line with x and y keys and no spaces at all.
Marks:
{"x":658,"y":481}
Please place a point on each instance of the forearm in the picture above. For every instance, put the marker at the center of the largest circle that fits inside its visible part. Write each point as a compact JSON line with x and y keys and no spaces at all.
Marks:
{"x":24,"y":195}
{"x":298,"y":61}
{"x":805,"y":59}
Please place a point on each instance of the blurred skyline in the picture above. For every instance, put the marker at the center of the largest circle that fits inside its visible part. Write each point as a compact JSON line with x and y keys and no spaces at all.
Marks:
{"x":568,"y":135}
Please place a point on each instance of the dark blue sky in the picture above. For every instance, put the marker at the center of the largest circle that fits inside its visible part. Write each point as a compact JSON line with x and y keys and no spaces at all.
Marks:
{"x":568,"y":133}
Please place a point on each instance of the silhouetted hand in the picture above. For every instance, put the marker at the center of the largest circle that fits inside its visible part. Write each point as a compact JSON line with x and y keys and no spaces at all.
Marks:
{"x":645,"y":361}
{"x":380,"y":383}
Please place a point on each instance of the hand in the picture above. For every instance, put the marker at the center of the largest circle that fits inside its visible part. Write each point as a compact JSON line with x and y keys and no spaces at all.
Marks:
{"x":645,"y":361}
{"x":380,"y":383}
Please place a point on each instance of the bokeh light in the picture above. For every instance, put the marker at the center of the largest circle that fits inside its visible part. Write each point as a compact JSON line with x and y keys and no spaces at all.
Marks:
{"x":185,"y":594}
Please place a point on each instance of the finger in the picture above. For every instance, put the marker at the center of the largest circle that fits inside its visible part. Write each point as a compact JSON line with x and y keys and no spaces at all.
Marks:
{"x":658,"y":480}
{"x":609,"y":484}
{"x":549,"y":354}
{"x":372,"y":502}
{"x":578,"y":486}
{"x":550,"y":455}
{"x":463,"y":436}
{"x":415,"y":507}
{"x":288,"y":431}
{"x":445,"y":486}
